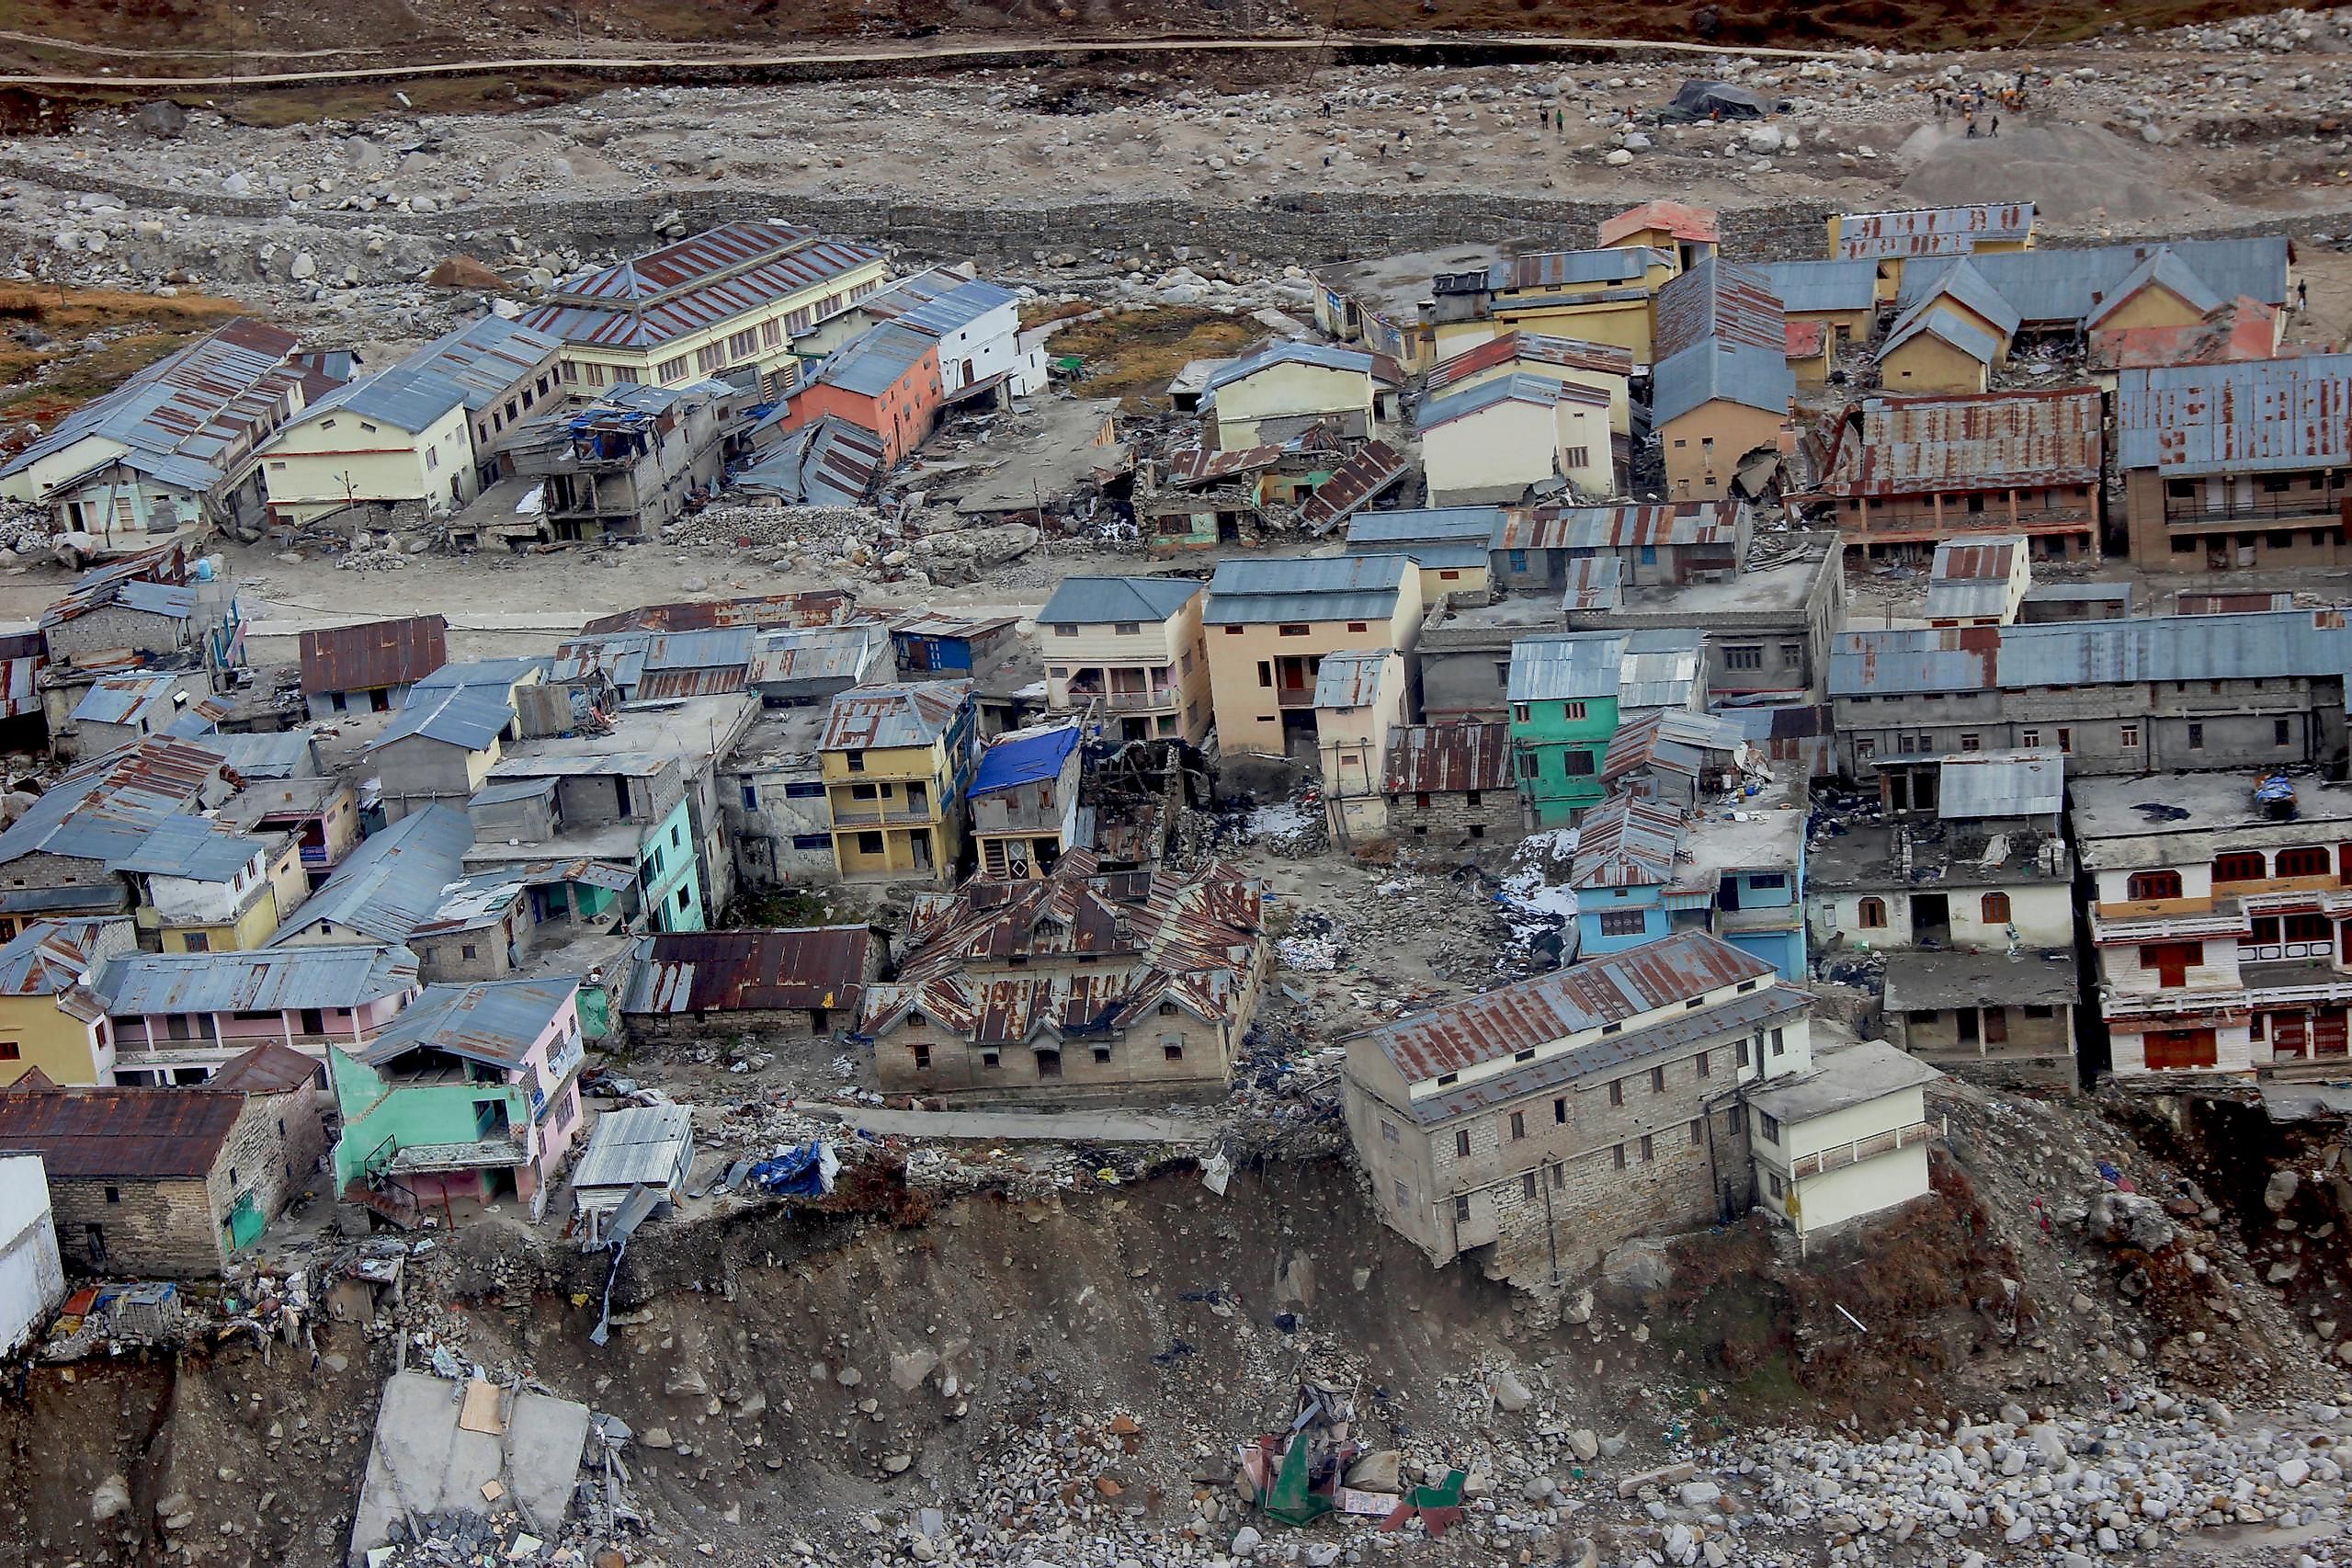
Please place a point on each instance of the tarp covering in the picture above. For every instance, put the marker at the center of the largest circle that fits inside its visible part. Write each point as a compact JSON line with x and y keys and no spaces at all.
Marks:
{"x":1024,"y":758}
{"x":1710,"y":100}
{"x":804,"y":1171}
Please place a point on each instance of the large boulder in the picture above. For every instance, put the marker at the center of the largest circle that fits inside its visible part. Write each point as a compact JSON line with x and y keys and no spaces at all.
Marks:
{"x":464,"y":272}
{"x":1637,"y":1264}
{"x":2129,"y":1219}
{"x":162,"y":118}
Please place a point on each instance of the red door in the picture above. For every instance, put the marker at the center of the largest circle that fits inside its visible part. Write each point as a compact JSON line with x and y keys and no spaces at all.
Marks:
{"x":2170,"y":961}
{"x":2327,"y":1032}
{"x":2287,"y":1034}
{"x":2171,"y":1050}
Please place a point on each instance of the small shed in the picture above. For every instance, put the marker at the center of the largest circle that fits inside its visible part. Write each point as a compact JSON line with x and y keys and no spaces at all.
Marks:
{"x":650,"y":1145}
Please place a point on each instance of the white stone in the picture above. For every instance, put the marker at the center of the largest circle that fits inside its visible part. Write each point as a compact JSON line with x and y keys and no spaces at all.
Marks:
{"x":2293,"y":1473}
{"x":1617,"y":158}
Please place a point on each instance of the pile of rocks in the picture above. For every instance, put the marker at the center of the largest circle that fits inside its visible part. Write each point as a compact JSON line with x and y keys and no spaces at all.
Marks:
{"x":372,"y":555}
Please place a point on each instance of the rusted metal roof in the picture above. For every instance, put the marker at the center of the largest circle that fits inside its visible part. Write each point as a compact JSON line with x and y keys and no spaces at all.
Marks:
{"x":1694,"y":223}
{"x":1375,"y":467}
{"x":1351,"y":680}
{"x":1980,"y":560}
{"x":816,"y":607}
{"x":792,"y":970}
{"x":694,"y":284}
{"x":1724,"y":301}
{"x":1672,"y":739}
{"x":1532,"y":348}
{"x":2280,"y":644}
{"x":1931,"y":230}
{"x":374,"y":653}
{"x":1584,"y":997}
{"x":269,"y":1068}
{"x":2242,"y":329}
{"x":101,"y":586}
{"x":1449,"y":759}
{"x":1595,"y":582}
{"x":1626,"y":843}
{"x":2244,"y":417}
{"x":867,"y":717}
{"x":93,"y":1134}
{"x":1195,"y":466}
{"x":1918,"y":446}
{"x":1682,"y":523}
{"x":494,"y":1022}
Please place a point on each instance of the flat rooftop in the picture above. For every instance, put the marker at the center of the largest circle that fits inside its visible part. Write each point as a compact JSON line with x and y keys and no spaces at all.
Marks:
{"x":2155,"y":807}
{"x":1916,"y":981}
{"x":1941,"y":856}
{"x":1477,"y":624}
{"x":1396,"y":285}
{"x":1784,"y":589}
{"x":1761,"y":832}
{"x":680,"y":727}
{"x":781,"y":737}
{"x":1842,"y":1076}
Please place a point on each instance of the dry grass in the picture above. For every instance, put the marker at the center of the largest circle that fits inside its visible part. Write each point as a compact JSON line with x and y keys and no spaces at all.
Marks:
{"x":135,"y":330}
{"x":1133,"y":354}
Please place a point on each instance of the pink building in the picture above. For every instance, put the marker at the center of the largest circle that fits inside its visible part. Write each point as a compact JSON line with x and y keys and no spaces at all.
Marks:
{"x":177,"y":1018}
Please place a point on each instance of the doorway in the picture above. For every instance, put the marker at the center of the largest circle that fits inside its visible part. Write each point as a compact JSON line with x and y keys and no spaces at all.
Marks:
{"x":1931,"y":918}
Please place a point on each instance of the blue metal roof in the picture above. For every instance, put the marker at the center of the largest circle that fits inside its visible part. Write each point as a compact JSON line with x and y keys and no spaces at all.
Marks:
{"x":484,"y":356}
{"x":2061,"y":288}
{"x":2162,"y":269}
{"x":1287,"y":353}
{"x":1712,"y":372}
{"x":2248,"y":416}
{"x":1541,"y":390}
{"x":494,"y":1021}
{"x":409,"y":400}
{"x":1808,"y":286}
{"x":120,"y":699}
{"x":1344,"y":587}
{"x":1963,"y":283}
{"x":1566,"y":667}
{"x":392,"y":882}
{"x":478,"y":672}
{"x":877,"y":360}
{"x":1095,"y":601}
{"x":173,"y":599}
{"x":267,"y":981}
{"x":957,"y":307}
{"x":192,"y":848}
{"x":1934,"y":319}
{"x":1023,"y":758}
{"x":1425,"y":525}
{"x":468,"y":716}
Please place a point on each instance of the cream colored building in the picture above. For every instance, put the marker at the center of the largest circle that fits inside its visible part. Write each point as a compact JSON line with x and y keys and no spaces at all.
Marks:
{"x":1270,"y":624}
{"x":739,"y":298}
{"x":1492,"y":441}
{"x":896,"y":761}
{"x":1128,"y":651}
{"x":1272,"y":395}
{"x":1603,"y":367}
{"x":1846,"y":1139}
{"x":1712,"y":404}
{"x":1360,"y":702}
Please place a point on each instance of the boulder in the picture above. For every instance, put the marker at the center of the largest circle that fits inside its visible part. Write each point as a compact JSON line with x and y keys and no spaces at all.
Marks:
{"x":1510,"y":1392}
{"x":2280,"y":1191}
{"x":1380,"y":1470}
{"x":2128,"y":1218}
{"x":110,"y":1499}
{"x":1637,"y":1264}
{"x":908,"y":1370}
{"x":463,"y":272}
{"x":162,"y":118}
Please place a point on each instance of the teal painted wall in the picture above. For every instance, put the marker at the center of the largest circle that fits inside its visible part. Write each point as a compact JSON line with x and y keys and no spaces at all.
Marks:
{"x":421,"y":1113}
{"x":666,"y":866}
{"x":1546,"y":739}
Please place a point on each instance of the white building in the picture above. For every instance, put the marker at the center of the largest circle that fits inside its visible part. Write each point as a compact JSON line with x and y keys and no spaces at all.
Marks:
{"x":1844,"y":1139}
{"x":1490,"y":441}
{"x":33,"y":1274}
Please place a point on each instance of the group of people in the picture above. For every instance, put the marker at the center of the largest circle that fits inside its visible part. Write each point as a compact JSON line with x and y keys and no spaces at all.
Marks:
{"x":1979,"y":108}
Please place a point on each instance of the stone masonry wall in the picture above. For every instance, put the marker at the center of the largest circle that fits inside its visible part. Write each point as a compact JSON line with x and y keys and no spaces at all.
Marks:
{"x":159,"y":1228}
{"x":1447,"y":820}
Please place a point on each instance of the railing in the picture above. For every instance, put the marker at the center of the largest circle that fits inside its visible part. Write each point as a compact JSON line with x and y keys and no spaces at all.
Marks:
{"x":1160,"y":700}
{"x":1844,"y":1154}
{"x":2130,"y":928}
{"x":883,"y":819}
{"x":1294,"y":697}
{"x":2304,"y":505}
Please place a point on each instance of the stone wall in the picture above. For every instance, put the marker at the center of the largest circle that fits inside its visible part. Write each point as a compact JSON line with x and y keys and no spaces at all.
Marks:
{"x":163,"y":1229}
{"x":1451,"y":822}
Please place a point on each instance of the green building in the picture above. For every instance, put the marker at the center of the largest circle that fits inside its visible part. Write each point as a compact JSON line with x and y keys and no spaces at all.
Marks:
{"x":1568,"y":693}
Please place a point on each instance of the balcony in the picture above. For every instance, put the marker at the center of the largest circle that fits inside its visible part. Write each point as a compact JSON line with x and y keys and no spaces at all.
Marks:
{"x":2172,"y":920}
{"x":2290,"y":508}
{"x":1294,"y":697}
{"x":1840,"y":1156}
{"x":884,"y":819}
{"x":483,"y":1153}
{"x":1163,"y":701}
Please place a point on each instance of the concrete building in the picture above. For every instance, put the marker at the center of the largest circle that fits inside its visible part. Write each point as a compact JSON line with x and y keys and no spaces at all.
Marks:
{"x":977,"y":325}
{"x":808,"y":667}
{"x":1893,"y":239}
{"x":1269,"y":625}
{"x":772,"y":801}
{"x":1360,"y":699}
{"x":1722,"y":389}
{"x":1600,"y":296}
{"x":2217,"y":918}
{"x":1677,"y":757}
{"x":370,"y":668}
{"x":171,"y":452}
{"x":1839,"y":297}
{"x":1499,"y":440}
{"x":113,"y":711}
{"x":1602,"y":368}
{"x":472,"y":1094}
{"x":386,"y":885}
{"x":1452,"y":788}
{"x":320,"y":815}
{"x":51,"y":1020}
{"x":886,"y":383}
{"x":154,"y":1183}
{"x":737,"y":300}
{"x":763,"y":982}
{"x":1448,"y":544}
{"x":626,"y":465}
{"x":896,"y":761}
{"x":1569,"y":691}
{"x":2059,"y":292}
{"x":32,"y":1272}
{"x":1905,"y":473}
{"x":1272,"y":393}
{"x":1128,"y":653}
{"x":1024,"y":802}
{"x":1846,"y":1139}
{"x":1689,"y":541}
{"x":450,"y":733}
{"x":1644,"y":868}
{"x":1979,"y":581}
{"x":1538,"y":1124}
{"x":179,"y":1018}
{"x":1078,"y":988}
{"x":2260,"y":689}
{"x":2235,"y":465}
{"x":2002,"y":1017}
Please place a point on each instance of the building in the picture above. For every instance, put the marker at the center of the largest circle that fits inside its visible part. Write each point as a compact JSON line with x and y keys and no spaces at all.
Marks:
{"x":1714,"y":405}
{"x":1971,"y":858}
{"x":1450,"y":544}
{"x":472,"y":1094}
{"x":1979,"y":581}
{"x":827,"y":461}
{"x":171,"y":452}
{"x":2005,"y":1018}
{"x":2260,"y":689}
{"x":631,"y":1146}
{"x":886,"y":383}
{"x":808,"y":667}
{"x":1950,"y":336}
{"x":1024,"y":802}
{"x":179,"y":1018}
{"x":1537,"y":1125}
{"x":1360,"y":700}
{"x":386,"y":885}
{"x":737,"y":300}
{"x":2216,"y":910}
{"x":1569,"y":691}
{"x":32,"y":1271}
{"x":51,"y":1020}
{"x":1688,"y":541}
{"x":1645,"y":868}
{"x":1272,"y":393}
{"x":156,"y":1183}
{"x":1908,"y":472}
{"x":320,"y":815}
{"x":1452,"y":785}
{"x":369,"y":668}
{"x":199,"y":888}
{"x":1892,"y":239}
{"x":772,"y":801}
{"x":1270,"y":623}
{"x":1602,"y":367}
{"x":1497,"y":440}
{"x":451,"y":731}
{"x":144,"y":605}
{"x":1688,"y":232}
{"x":64,"y":853}
{"x":2238,"y":330}
{"x":1840,"y":297}
{"x":1600,"y":296}
{"x":762,"y":982}
{"x":2235,"y":465}
{"x":625,"y":466}
{"x":896,"y":761}
{"x":1128,"y":652}
{"x":416,"y":439}
{"x":114,"y":711}
{"x":1081,"y":987}
{"x":2058,"y":292}
{"x":1846,"y":1139}
{"x":978,"y":326}
{"x":2046,"y":602}
{"x":1678,"y":757}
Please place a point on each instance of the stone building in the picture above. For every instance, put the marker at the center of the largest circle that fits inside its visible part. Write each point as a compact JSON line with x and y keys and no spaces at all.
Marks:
{"x":1451,"y":787}
{"x":688,"y":985}
{"x":1082,"y":987}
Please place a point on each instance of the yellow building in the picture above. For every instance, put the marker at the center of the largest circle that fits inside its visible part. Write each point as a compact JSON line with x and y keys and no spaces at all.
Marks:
{"x":1275,"y":392}
{"x":1599,"y":295}
{"x":2162,"y":291}
{"x":204,"y":890}
{"x":1686,"y":233}
{"x":1127,"y":650}
{"x":392,"y":440}
{"x":1360,"y":702}
{"x":742,"y":294}
{"x":1713,"y":404}
{"x":1449,"y":545}
{"x":1842,"y":296}
{"x":1271,"y":623}
{"x":50,"y":1017}
{"x":1936,"y":349}
{"x":895,"y":761}
{"x":1890,"y":239}
{"x":1603,"y":368}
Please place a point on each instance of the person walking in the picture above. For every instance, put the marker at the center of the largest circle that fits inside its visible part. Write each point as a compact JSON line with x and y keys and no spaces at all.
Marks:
{"x":2302,"y":296}
{"x":1996,"y":125}
{"x":1971,"y":125}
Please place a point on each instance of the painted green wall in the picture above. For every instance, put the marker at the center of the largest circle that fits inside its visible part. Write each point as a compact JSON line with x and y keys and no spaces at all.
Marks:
{"x":374,"y":1111}
{"x":1544,"y":741}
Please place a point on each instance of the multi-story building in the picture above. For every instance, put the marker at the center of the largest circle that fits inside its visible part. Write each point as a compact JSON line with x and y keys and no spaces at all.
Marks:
{"x":440,"y":746}
{"x":1450,"y":544}
{"x":1602,"y":368}
{"x":1645,"y":868}
{"x":1024,"y":801}
{"x":178,"y":1017}
{"x":2143,"y":694}
{"x":1272,"y":393}
{"x":1269,"y":624}
{"x":626,"y":465}
{"x":1979,"y":581}
{"x":772,"y":801}
{"x":1904,"y":472}
{"x":1601,"y":296}
{"x":370,"y":667}
{"x":51,"y":1018}
{"x":1452,"y":787}
{"x":736,"y":301}
{"x":1506,"y":440}
{"x":1893,"y":239}
{"x":886,"y":383}
{"x":978,"y":326}
{"x":1361,"y":700}
{"x":896,"y":760}
{"x":1569,"y":691}
{"x":1078,"y":987}
{"x":2217,"y":909}
{"x":1128,"y":652}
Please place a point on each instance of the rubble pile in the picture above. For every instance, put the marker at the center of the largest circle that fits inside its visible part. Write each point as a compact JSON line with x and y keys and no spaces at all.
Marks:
{"x":372,"y":555}
{"x":24,"y":528}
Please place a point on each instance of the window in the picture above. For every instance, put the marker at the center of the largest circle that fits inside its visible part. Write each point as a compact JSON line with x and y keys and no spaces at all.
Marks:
{"x":751,"y":798}
{"x":1572,"y":710}
{"x":2196,"y":737}
{"x":811,"y":841}
{"x":432,"y":457}
{"x":2067,"y":740}
{"x":1577,"y":764}
{"x":1461,"y":1142}
{"x":2281,"y":733}
{"x":745,"y":343}
{"x":1292,"y":631}
{"x":1745,"y":656}
{"x":1970,"y":741}
{"x":113,"y":1195}
{"x":1623,"y":923}
{"x":2154,"y":884}
{"x":2032,"y":738}
{"x":922,"y":1052}
{"x":2128,"y":736}
{"x":990,"y":1058}
{"x":2239,"y":866}
{"x":1616,"y":1091}
{"x":1471,"y":799}
{"x":1580,"y":457}
{"x":1559,"y":1112}
{"x":1649,"y":1149}
{"x":1403,"y":1196}
{"x":1699,"y":1132}
{"x":1518,"y":1124}
{"x":771,"y":333}
{"x":1769,"y":1125}
{"x":1519,"y":712}
{"x":1994,"y":908}
{"x":1389,"y":1133}
{"x":1102,"y":1055}
{"x":870,"y":844}
{"x":1657,"y":1080}
{"x":1705,"y":1062}
{"x":865,"y":791}
{"x":1357,"y":625}
{"x":671,"y":369}
{"x":2306,"y":862}
{"x":1780,"y":1042}
{"x":1617,"y":1155}
{"x":854,"y":761}
{"x":1767,"y":881}
{"x":1773,"y":1179}
{"x":1871,"y":913}
{"x":468,"y":950}
{"x":1461,"y":1210}
{"x":11,"y":1051}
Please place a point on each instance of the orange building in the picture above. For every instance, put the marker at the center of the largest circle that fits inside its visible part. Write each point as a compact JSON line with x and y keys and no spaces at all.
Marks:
{"x":886,"y":382}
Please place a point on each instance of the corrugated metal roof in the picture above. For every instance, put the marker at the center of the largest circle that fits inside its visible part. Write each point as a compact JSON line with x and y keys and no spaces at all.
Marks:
{"x":1694,"y":223}
{"x":92,"y":1134}
{"x":2002,"y":784}
{"x":2244,"y":417}
{"x":1375,"y":466}
{"x":878,"y":359}
{"x":2164,"y":269}
{"x":2261,"y":645}
{"x":2056,"y":288}
{"x":1626,"y":843}
{"x":1423,"y":525}
{"x":1305,"y":588}
{"x":105,"y":809}
{"x":1103,"y":601}
{"x":867,"y":717}
{"x":1352,"y":680}
{"x":1937,"y":321}
{"x":817,"y":653}
{"x":1970,"y":577}
{"x":1932,"y":230}
{"x":391,"y":881}
{"x":1289,"y":353}
{"x":409,"y":400}
{"x":1679,"y":523}
{"x":829,"y":463}
{"x":1530,"y":348}
{"x":1812,"y":285}
{"x":1584,"y":997}
{"x":1566,"y":667}
{"x":1709,"y":372}
{"x":1541,"y":390}
{"x":636,"y":1143}
{"x":170,"y":599}
{"x":1662,"y":668}
{"x":50,"y":956}
{"x":955,"y":309}
{"x":271,"y":980}
{"x":1194,"y":466}
{"x":766,"y":968}
{"x":484,"y":356}
{"x":696,"y":283}
{"x":269,"y":1068}
{"x":1560,"y":270}
{"x":1450,"y":758}
{"x":1671,"y":738}
{"x":193,"y":850}
{"x":374,"y":655}
{"x":493,"y":1021}
{"x":121,"y":699}
{"x":813,"y":606}
{"x":467,"y":716}
{"x":1721,"y":300}
{"x":1595,"y":582}
{"x":1913,"y":446}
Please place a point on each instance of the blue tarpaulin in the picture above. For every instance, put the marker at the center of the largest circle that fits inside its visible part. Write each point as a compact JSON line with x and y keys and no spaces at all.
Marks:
{"x":804,"y":1171}
{"x":1020,"y":759}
